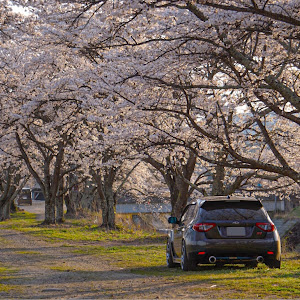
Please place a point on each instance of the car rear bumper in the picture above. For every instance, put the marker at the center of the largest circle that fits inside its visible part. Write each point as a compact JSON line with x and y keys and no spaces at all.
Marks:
{"x":234,"y":251}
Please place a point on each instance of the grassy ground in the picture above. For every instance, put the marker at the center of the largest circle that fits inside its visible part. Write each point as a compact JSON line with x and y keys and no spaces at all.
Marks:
{"x":142,"y":252}
{"x":77,"y":230}
{"x":260,"y":282}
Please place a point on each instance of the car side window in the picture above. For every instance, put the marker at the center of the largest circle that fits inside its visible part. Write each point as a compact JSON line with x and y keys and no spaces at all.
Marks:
{"x":188,"y":214}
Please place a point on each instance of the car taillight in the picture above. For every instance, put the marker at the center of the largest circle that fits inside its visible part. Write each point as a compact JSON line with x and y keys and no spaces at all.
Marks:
{"x":203,"y":227}
{"x":267,"y":227}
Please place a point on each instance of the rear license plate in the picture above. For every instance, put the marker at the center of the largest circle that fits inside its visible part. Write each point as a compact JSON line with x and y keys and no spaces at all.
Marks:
{"x":236,"y":231}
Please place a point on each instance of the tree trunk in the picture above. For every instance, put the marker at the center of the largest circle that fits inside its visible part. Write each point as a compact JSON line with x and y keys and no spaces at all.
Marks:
{"x":104,"y":209}
{"x":49,"y":208}
{"x":74,"y":197}
{"x":13,"y":207}
{"x":70,"y":204}
{"x":182,"y":197}
{"x":49,"y":183}
{"x":179,"y":190}
{"x":59,"y":203}
{"x":218,"y":181}
{"x":76,"y":201}
{"x":5,"y":210}
{"x":178,"y":194}
{"x":174,"y":195}
{"x":9,"y":182}
{"x":108,"y":210}
{"x":94,"y":204}
{"x":105,"y":191}
{"x":100,"y":190}
{"x":110,"y":214}
{"x":49,"y":212}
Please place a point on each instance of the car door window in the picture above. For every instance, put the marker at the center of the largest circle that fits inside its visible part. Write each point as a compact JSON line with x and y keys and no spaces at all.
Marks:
{"x":188,"y":214}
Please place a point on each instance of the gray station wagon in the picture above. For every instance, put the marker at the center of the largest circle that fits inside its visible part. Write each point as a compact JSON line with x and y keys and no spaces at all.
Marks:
{"x":223,"y":230}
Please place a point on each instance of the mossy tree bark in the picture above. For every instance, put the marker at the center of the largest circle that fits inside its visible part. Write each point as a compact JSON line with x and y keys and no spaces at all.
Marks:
{"x":104,"y":180}
{"x":11,"y":183}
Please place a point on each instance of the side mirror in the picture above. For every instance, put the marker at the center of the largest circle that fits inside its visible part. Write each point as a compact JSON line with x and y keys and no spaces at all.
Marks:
{"x":172,"y":220}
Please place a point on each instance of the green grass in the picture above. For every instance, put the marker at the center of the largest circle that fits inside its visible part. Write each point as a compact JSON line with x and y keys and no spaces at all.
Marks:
{"x":130,"y":257}
{"x":28,"y":252}
{"x":3,"y":270}
{"x":19,"y":220}
{"x":247,"y":282}
{"x":6,"y":288}
{"x":232,"y":281}
{"x":79,"y":230}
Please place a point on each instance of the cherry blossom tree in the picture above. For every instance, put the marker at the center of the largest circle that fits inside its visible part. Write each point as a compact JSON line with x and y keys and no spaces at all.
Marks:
{"x":54,"y":109}
{"x":220,"y":80}
{"x":197,"y":60}
{"x":41,"y":110}
{"x":105,"y":149}
{"x":13,"y":175}
{"x":218,"y":56}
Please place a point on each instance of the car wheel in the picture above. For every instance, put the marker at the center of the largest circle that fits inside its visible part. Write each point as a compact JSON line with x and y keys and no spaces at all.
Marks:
{"x":273,"y":263}
{"x":169,"y":255}
{"x":186,"y":264}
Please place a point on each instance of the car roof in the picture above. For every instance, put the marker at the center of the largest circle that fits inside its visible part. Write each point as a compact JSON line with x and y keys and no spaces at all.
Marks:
{"x":227,"y":198}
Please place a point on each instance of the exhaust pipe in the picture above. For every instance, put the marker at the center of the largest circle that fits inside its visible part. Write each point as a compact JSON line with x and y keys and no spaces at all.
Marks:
{"x":212,"y":259}
{"x":260,"y":259}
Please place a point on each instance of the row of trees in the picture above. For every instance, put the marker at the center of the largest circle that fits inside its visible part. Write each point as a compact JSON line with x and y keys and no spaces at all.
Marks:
{"x":205,"y":93}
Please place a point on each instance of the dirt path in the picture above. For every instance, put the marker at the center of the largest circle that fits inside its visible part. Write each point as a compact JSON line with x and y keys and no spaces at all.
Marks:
{"x":52,"y":271}
{"x":44,"y":270}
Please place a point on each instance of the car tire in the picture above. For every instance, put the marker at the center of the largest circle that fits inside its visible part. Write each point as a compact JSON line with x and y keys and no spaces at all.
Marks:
{"x":169,"y":255}
{"x":185,"y":263}
{"x":273,"y":263}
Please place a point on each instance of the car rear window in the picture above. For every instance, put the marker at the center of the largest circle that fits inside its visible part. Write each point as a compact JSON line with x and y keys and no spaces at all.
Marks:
{"x":243,"y":210}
